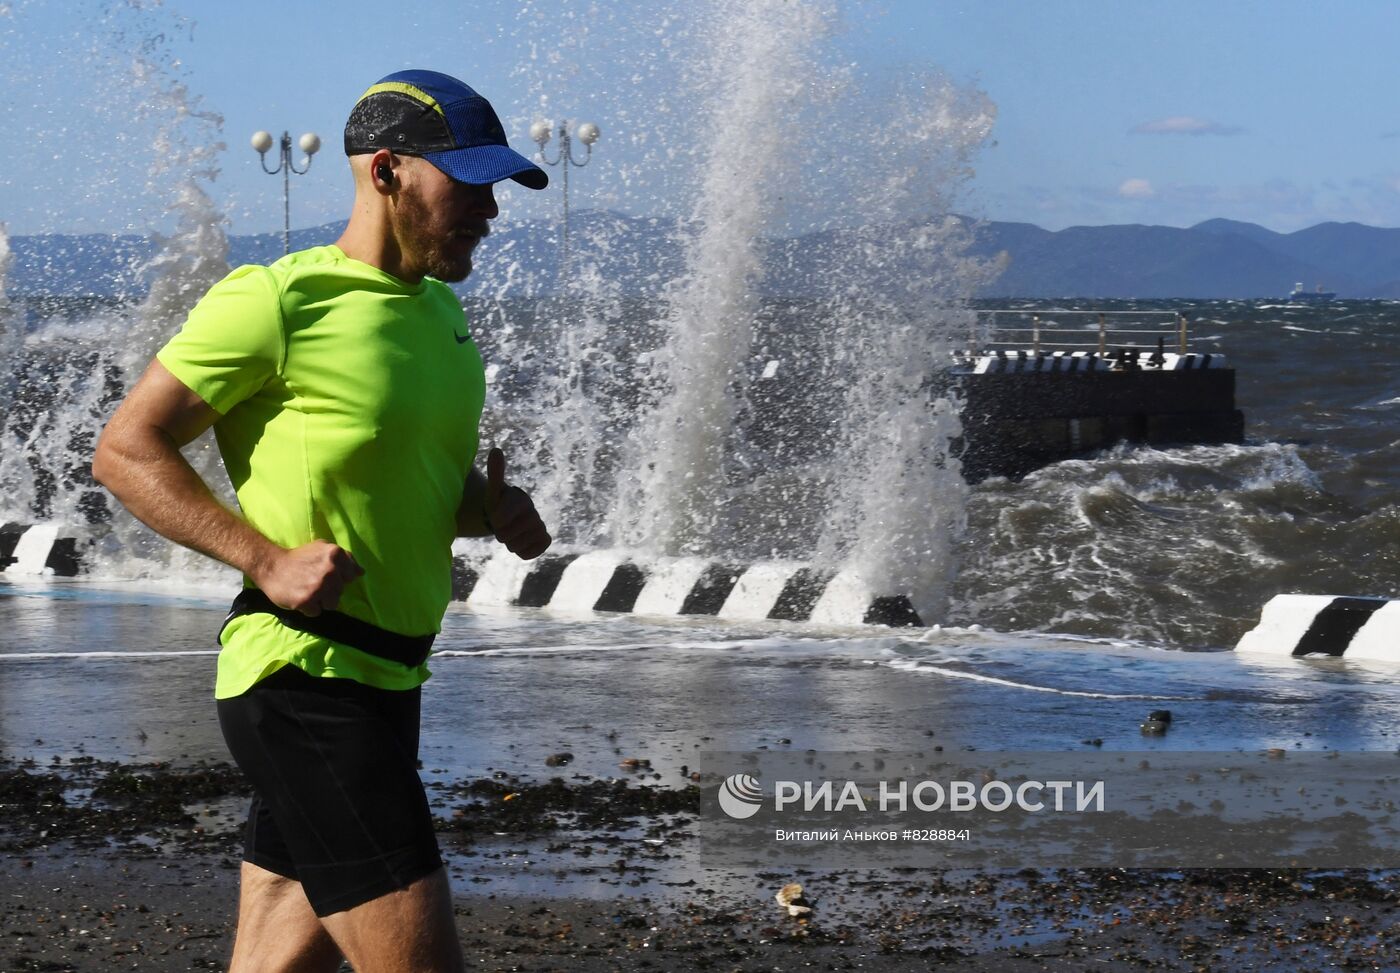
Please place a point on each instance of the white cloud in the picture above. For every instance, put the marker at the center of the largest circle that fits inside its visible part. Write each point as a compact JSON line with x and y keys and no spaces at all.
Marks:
{"x":1184,"y":125}
{"x":1136,"y":189}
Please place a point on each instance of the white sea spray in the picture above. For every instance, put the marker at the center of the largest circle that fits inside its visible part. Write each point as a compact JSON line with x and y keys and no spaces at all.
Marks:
{"x":813,"y":204}
{"x":69,"y":373}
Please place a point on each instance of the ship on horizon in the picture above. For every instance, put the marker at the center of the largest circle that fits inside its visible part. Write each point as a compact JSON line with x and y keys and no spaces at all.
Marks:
{"x":1300,"y":295}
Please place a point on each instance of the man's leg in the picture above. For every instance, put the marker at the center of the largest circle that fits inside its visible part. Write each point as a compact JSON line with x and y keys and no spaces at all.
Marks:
{"x":277,"y":931}
{"x":339,"y":808}
{"x":409,"y":930}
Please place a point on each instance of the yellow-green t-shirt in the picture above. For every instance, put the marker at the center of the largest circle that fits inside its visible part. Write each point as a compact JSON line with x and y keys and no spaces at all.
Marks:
{"x":349,"y":405}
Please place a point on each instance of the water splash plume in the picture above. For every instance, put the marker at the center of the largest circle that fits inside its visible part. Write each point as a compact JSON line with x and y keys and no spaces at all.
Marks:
{"x":814,"y":239}
{"x":683,"y":445}
{"x":64,"y":381}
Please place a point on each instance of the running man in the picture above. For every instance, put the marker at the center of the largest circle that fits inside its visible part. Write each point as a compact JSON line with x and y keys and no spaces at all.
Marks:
{"x":344,"y":390}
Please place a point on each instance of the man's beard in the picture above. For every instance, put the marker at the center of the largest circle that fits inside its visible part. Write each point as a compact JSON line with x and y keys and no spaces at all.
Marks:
{"x":426,"y":245}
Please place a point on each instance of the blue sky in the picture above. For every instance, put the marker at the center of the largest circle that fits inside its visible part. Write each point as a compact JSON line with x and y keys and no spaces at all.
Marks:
{"x":1280,"y":113}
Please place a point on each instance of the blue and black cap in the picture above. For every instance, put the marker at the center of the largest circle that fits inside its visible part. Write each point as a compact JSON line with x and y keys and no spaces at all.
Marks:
{"x":441,"y":120}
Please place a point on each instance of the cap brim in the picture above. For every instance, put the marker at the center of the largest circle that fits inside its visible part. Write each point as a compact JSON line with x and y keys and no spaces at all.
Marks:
{"x":485,"y":164}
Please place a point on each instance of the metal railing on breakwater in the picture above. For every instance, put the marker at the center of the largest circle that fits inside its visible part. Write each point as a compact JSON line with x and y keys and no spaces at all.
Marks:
{"x":1088,"y":331}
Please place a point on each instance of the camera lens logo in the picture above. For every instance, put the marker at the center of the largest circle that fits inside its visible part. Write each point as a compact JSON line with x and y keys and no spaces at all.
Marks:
{"x":740,"y":796}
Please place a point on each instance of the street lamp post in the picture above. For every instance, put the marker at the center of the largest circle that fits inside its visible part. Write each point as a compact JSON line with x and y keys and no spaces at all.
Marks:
{"x":310,"y":143}
{"x":587,"y":133}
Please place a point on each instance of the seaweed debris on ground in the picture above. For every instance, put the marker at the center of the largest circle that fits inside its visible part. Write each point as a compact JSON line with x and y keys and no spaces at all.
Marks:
{"x":93,"y":804}
{"x":112,"y":866}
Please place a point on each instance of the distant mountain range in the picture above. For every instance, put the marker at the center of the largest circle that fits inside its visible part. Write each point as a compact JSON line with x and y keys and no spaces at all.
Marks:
{"x":1215,"y":259}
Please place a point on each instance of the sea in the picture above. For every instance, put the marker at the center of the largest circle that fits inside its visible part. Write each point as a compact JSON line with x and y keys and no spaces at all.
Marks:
{"x":1181,"y":547}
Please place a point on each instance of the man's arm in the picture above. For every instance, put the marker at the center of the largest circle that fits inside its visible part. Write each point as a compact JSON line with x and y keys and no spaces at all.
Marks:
{"x":491,"y":507}
{"x":138,"y":459}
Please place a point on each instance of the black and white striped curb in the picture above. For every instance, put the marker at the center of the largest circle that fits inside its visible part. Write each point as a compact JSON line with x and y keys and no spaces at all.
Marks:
{"x":1347,"y":626}
{"x":1087,"y":361}
{"x":609,"y":581}
{"x":595,"y":581}
{"x":44,"y":550}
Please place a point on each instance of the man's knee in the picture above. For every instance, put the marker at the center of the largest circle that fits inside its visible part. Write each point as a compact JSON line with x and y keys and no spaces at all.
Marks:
{"x":277,"y":929}
{"x":409,"y":930}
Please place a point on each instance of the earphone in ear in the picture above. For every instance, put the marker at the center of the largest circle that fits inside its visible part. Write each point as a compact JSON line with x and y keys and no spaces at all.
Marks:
{"x":385,"y":174}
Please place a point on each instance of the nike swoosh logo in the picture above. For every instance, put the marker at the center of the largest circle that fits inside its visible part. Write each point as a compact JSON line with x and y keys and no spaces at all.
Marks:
{"x":462,"y":339}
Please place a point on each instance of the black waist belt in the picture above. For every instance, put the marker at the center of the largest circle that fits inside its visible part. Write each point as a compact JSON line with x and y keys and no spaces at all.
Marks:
{"x":407,"y":650}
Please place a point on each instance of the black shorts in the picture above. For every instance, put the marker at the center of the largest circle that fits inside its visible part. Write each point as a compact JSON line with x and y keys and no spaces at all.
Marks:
{"x":338,"y":805}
